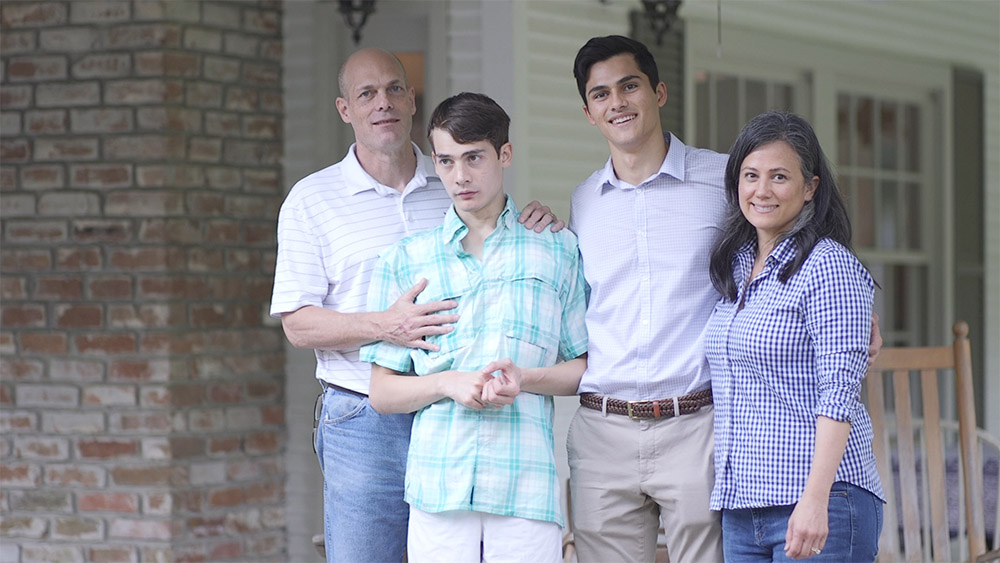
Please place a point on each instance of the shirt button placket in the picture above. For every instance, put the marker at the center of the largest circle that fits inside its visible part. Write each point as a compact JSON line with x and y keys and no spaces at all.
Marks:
{"x":403,"y":215}
{"x":644,"y":295}
{"x":730,"y":390}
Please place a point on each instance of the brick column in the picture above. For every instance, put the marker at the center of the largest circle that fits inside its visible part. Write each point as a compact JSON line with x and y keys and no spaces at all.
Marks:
{"x":141,"y":384}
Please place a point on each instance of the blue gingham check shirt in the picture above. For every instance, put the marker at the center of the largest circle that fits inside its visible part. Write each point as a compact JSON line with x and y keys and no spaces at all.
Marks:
{"x":525,"y":300}
{"x":796,"y":351}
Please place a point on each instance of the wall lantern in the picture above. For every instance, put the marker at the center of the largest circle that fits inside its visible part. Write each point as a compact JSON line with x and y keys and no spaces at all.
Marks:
{"x":661,"y":15}
{"x":356,"y":14}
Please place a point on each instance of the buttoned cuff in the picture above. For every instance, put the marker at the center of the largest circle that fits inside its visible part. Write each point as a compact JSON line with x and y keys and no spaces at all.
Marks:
{"x":840,"y":405}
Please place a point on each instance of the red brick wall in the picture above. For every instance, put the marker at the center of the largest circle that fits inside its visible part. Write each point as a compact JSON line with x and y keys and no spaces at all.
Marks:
{"x":141,"y":407}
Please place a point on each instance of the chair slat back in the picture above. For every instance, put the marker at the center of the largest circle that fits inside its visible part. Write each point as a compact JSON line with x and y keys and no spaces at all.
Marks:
{"x":934,"y":447}
{"x":919,"y":445}
{"x":907,"y":466}
{"x":887,"y":543}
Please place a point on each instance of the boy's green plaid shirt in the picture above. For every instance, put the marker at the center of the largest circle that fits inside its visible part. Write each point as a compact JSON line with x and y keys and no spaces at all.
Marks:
{"x":525,"y":300}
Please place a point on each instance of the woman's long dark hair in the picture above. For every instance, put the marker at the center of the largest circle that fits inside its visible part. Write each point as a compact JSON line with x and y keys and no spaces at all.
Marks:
{"x":825,"y":216}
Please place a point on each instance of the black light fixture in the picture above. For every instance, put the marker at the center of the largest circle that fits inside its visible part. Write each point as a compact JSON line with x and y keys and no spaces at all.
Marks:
{"x":661,"y":15}
{"x":355,"y":14}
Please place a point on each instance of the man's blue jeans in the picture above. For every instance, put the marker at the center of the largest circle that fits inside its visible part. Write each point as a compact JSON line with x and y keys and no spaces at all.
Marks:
{"x":758,"y":534}
{"x":363,"y":457}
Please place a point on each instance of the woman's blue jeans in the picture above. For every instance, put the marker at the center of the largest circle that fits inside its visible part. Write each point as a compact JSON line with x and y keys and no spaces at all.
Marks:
{"x":363,"y":456}
{"x":758,"y":534}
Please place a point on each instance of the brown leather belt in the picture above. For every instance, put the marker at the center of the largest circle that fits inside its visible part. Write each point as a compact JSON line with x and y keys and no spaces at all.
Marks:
{"x":660,"y":408}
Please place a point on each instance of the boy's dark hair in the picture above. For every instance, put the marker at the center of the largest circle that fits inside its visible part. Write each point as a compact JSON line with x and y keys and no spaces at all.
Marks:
{"x":825,"y":216}
{"x":469,"y":118}
{"x":600,"y":49}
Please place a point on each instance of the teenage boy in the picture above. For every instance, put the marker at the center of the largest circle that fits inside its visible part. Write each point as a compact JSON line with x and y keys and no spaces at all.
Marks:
{"x":481,"y":477}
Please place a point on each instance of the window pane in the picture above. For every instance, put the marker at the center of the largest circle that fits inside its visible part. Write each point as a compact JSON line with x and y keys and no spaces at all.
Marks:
{"x":784,"y":98}
{"x":864,"y":224}
{"x":703,"y":116}
{"x":845,"y":185}
{"x":888,"y":224}
{"x":900,"y":297}
{"x":914,"y":222}
{"x":884,"y":303}
{"x":756,"y":98}
{"x":864,"y":127}
{"x":728,"y":112}
{"x":877,"y":270}
{"x":843,"y":129}
{"x":909,"y":289}
{"x":918,"y":278}
{"x":889,"y":145}
{"x":911,"y":138}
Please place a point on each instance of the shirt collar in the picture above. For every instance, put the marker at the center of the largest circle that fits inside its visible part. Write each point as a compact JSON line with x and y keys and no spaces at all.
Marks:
{"x":784,"y":252}
{"x":358,"y":180}
{"x":780,"y":255}
{"x":672,"y":165}
{"x":453,"y":228}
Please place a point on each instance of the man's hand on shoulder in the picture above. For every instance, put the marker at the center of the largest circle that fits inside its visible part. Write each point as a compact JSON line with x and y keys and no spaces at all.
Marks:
{"x":536,"y":217}
{"x":406,"y":324}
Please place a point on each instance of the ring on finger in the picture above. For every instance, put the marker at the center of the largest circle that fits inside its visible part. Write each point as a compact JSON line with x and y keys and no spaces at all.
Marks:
{"x":817,"y":550}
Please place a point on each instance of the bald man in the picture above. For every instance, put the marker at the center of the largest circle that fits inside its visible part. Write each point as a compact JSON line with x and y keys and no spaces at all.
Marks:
{"x":331,"y":228}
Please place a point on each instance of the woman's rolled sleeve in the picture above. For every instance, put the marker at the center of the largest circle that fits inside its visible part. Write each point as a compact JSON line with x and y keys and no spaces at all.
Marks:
{"x":838,"y":319}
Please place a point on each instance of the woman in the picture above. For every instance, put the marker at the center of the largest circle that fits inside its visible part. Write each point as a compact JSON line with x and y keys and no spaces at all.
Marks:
{"x":795,"y":473}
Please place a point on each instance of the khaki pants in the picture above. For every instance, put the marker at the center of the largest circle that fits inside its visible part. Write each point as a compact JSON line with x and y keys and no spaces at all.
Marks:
{"x":627,"y":476}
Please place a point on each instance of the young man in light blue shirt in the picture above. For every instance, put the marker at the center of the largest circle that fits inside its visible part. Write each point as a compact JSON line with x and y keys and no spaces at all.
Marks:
{"x":481,"y":478}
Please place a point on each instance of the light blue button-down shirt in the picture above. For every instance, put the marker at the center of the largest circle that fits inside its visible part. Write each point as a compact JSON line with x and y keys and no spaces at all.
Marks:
{"x":645,"y":254}
{"x":797,"y":350}
{"x":525,"y":300}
